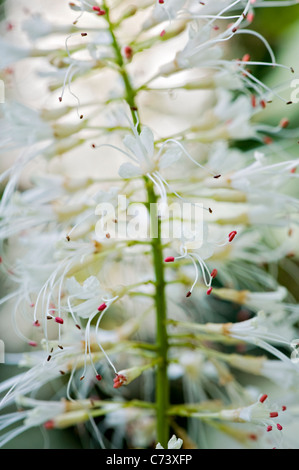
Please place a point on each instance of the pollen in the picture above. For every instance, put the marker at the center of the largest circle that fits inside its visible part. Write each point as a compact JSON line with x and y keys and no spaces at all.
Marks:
{"x":119,"y":380}
{"x":214,"y":273}
{"x":232,"y":235}
{"x":102,"y":307}
{"x":263,"y":398}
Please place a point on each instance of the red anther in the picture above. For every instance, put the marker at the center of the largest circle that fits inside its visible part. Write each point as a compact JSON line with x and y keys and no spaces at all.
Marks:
{"x":283,"y":408}
{"x":209,"y":290}
{"x":273,"y":414}
{"x":263,"y":398}
{"x":284,"y":123}
{"x":128,"y":52}
{"x":189,"y":294}
{"x":1,"y":260}
{"x":49,"y":424}
{"x":99,"y":377}
{"x":216,"y":28}
{"x":269,"y":428}
{"x":253,"y":101}
{"x":99,"y":10}
{"x":32,"y":343}
{"x":169,"y":259}
{"x":36,"y":323}
{"x":253,"y":437}
{"x":246,"y":58}
{"x":163,"y":32}
{"x":217,"y":176}
{"x":214,"y":273}
{"x":232,"y":235}
{"x":250,"y":17}
{"x":59,"y":320}
{"x":60,"y":98}
{"x":9,"y":27}
{"x":263,"y":104}
{"x":119,"y":380}
{"x":102,"y":307}
{"x":293,"y":170}
{"x":267,"y":140}
{"x":279,"y":427}
{"x":161,"y":2}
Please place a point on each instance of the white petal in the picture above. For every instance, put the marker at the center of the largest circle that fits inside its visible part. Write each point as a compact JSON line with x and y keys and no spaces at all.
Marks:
{"x":147,"y":139}
{"x":175,"y":443}
{"x":158,"y":446}
{"x":132,"y":144}
{"x":128,"y":170}
{"x":169,"y":157}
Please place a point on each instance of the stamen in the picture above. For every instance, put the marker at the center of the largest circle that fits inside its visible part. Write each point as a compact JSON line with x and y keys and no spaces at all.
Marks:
{"x":169,"y":259}
{"x":273,"y":414}
{"x":128,"y":52}
{"x":232,"y":235}
{"x":263,"y":398}
{"x":102,"y":307}
{"x":214,"y":273}
{"x":49,"y":424}
{"x":119,"y":380}
{"x":59,"y":320}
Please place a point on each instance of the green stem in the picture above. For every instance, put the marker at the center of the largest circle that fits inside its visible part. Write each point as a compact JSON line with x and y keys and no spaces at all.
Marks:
{"x":162,"y":384}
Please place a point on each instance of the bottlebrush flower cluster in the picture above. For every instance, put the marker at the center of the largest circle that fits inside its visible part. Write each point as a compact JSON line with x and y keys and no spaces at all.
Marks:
{"x":147,"y":212}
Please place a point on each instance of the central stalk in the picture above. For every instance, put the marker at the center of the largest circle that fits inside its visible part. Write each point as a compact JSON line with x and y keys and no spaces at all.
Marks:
{"x":162,"y":383}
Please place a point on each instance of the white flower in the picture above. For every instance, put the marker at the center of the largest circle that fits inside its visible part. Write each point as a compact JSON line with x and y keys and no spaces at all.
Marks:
{"x":198,"y":246}
{"x":173,"y":443}
{"x":164,"y":12}
{"x":23,"y":126}
{"x":142,"y":150}
{"x":41,"y":412}
{"x":90,"y":292}
{"x":11,"y":54}
{"x":197,"y":49}
{"x":36,"y":27}
{"x":235,"y":114}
